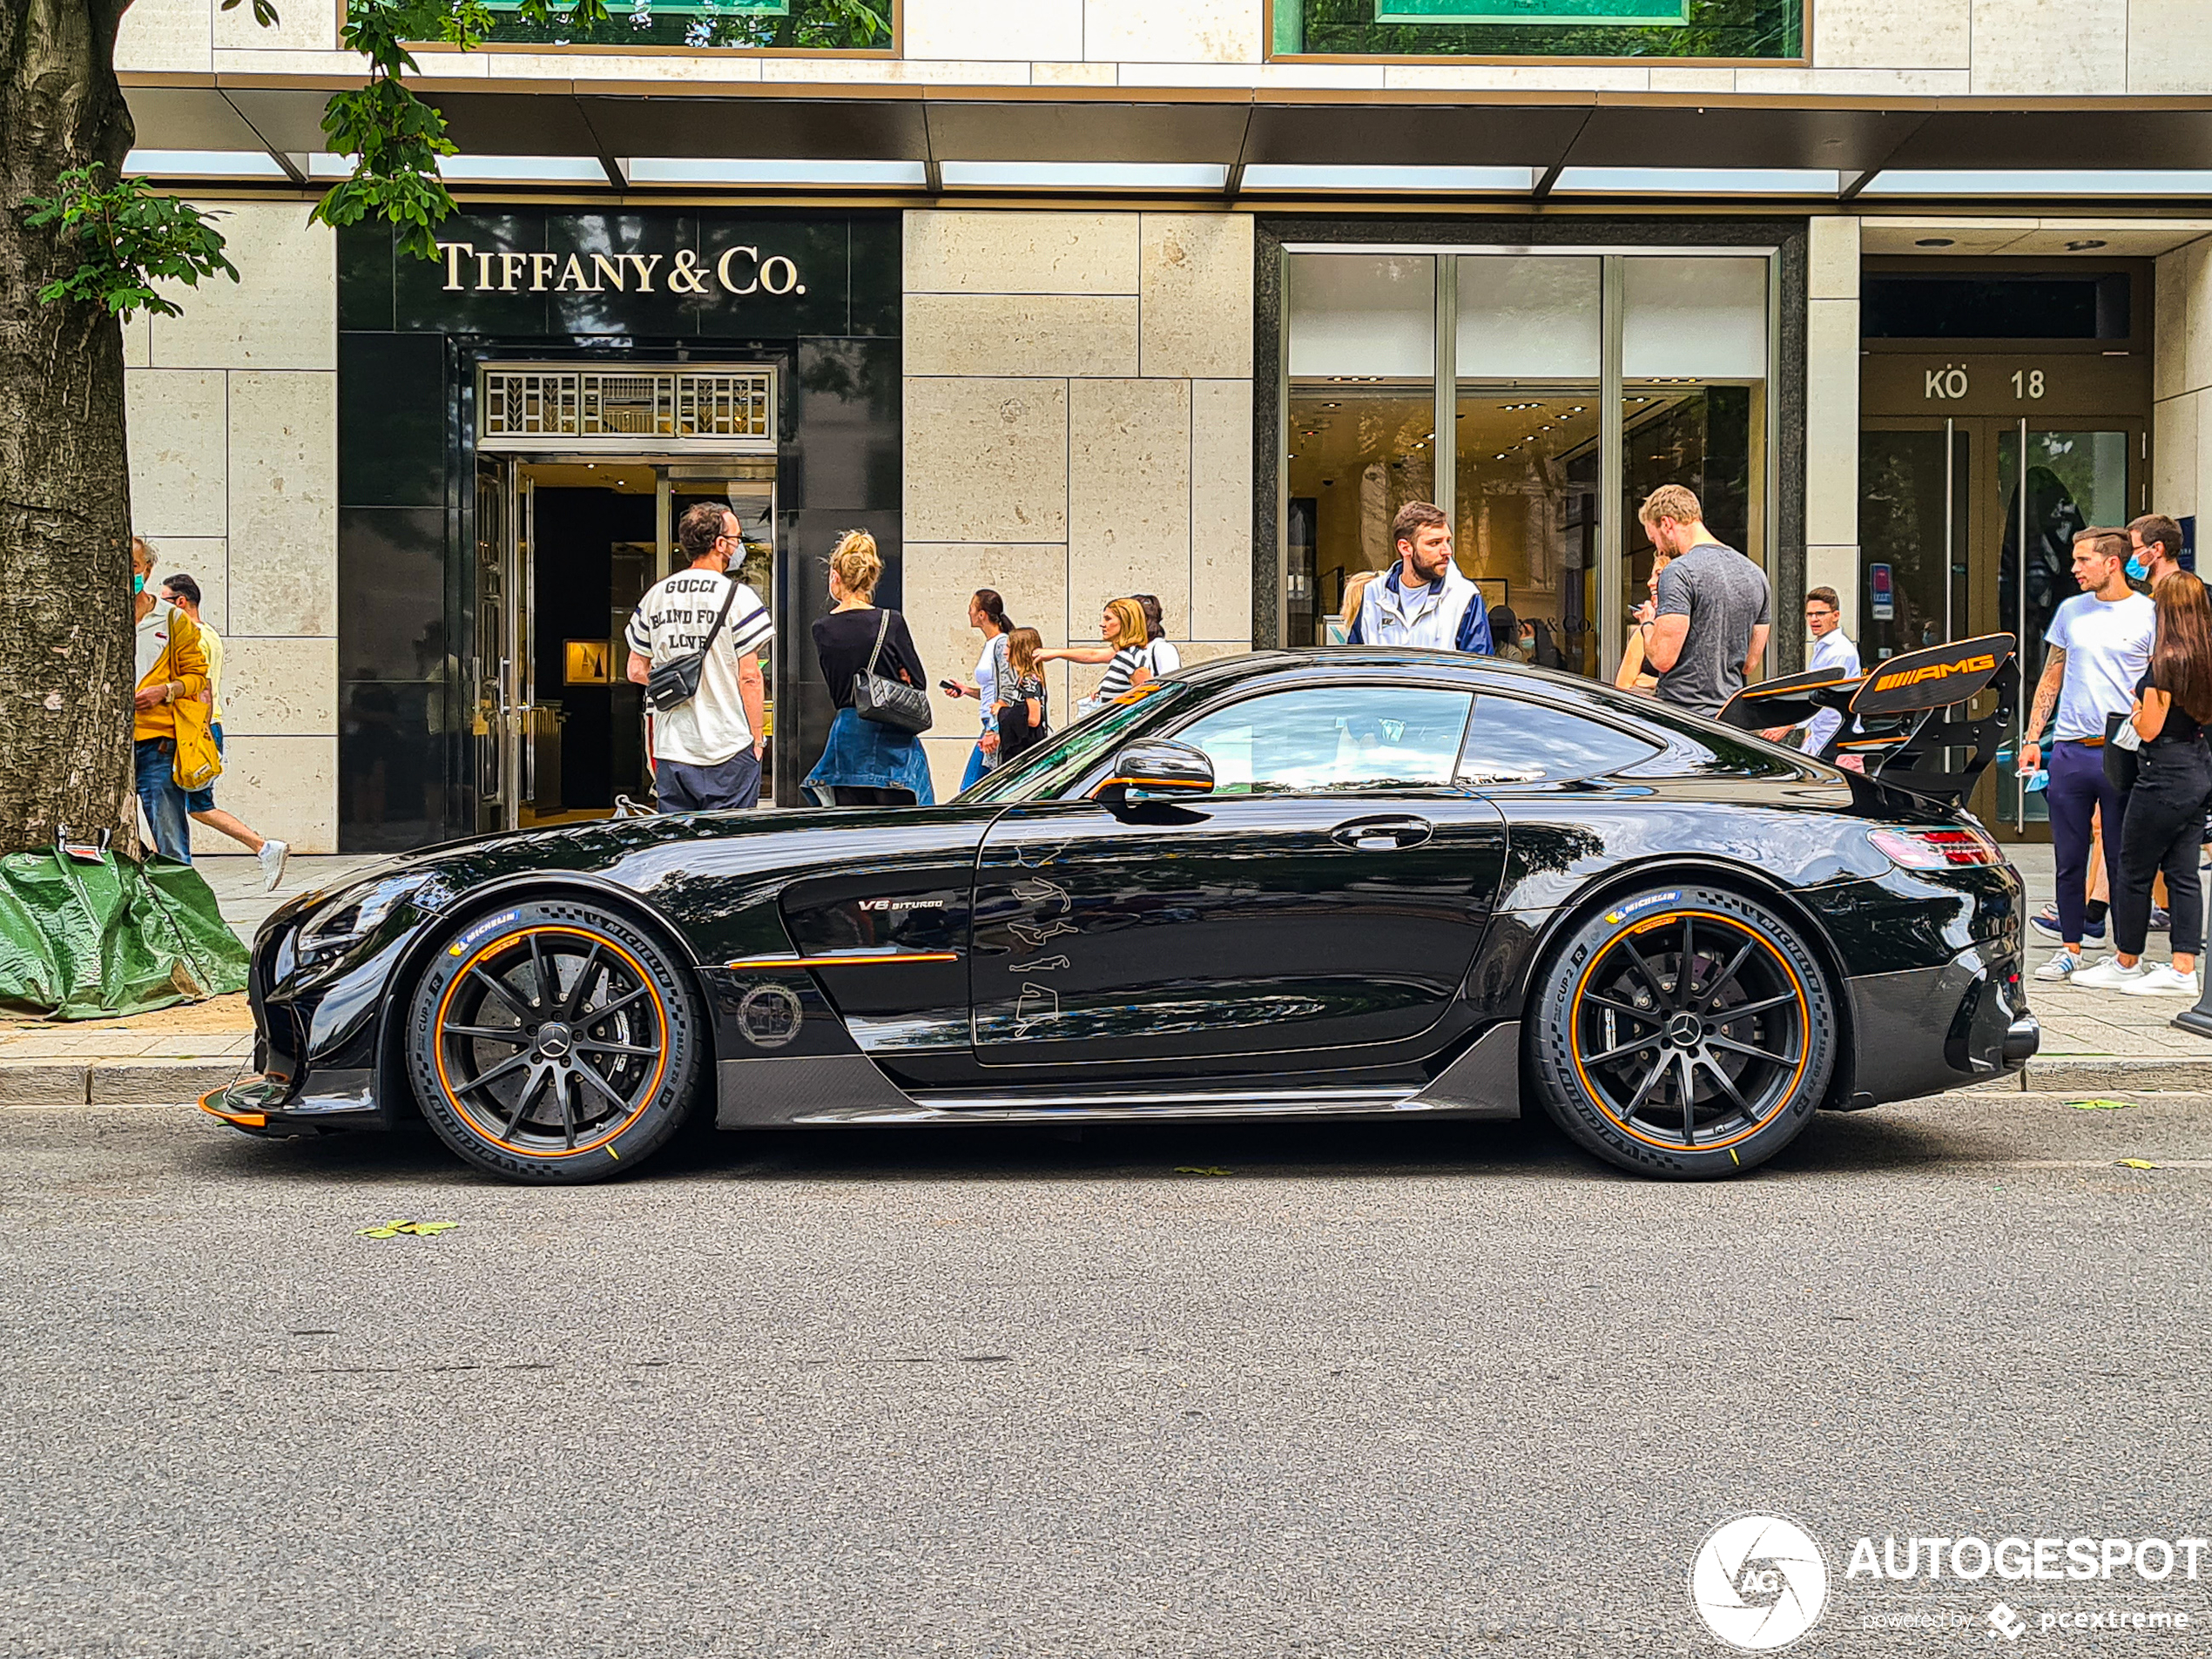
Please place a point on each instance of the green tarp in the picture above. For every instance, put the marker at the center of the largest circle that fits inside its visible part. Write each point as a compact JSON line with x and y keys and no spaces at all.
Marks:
{"x":84,"y":937}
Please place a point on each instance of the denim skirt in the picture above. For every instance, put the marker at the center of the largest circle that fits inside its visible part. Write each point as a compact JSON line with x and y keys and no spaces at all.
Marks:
{"x":864,"y":755}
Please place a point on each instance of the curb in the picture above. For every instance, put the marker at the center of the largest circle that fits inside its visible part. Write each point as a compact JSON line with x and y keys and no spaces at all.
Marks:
{"x":113,"y":1083}
{"x":2064,"y":1073}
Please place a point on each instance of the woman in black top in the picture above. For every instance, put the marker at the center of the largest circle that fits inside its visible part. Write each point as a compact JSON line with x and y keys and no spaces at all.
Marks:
{"x":865,"y":763}
{"x":2164,"y":823}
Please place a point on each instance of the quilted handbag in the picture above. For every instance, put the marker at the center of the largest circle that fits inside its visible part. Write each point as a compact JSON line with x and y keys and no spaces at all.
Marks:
{"x":888,"y":702}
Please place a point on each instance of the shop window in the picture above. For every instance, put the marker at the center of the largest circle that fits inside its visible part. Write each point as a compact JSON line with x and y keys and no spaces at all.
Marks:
{"x":791,"y":25}
{"x":1527,"y":422}
{"x":1362,"y":420}
{"x":1758,"y":29}
{"x":1694,"y":355}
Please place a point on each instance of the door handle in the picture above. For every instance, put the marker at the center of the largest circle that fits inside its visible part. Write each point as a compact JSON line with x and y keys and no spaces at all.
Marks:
{"x":1382,"y":835}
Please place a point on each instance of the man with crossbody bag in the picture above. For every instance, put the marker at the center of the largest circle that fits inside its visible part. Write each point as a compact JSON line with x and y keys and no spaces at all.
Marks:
{"x":694,"y":645}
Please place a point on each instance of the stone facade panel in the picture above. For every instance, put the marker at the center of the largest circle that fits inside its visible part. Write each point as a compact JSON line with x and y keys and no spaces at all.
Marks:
{"x":286,"y":787}
{"x":271,"y":318}
{"x":987,"y":460}
{"x":1831,"y":421}
{"x":993,"y":29}
{"x":301,"y":25}
{"x":178,"y":428}
{"x":2169,"y":46}
{"x":2050,"y":48}
{"x":207,"y":560}
{"x":170,"y":35}
{"x":1885,"y":34}
{"x":1221,"y":513}
{"x":941,"y":577}
{"x":1175,"y":31}
{"x":984,"y":252}
{"x":1128,"y":496}
{"x":283,"y":686}
{"x":1071,"y":335}
{"x":284,"y":503}
{"x":1199,"y":282}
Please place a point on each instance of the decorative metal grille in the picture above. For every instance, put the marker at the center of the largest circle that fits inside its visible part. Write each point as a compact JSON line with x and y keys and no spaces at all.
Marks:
{"x":630,"y":408}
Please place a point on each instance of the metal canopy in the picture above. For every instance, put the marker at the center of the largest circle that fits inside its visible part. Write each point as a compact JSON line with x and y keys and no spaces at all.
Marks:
{"x":1230,"y":128}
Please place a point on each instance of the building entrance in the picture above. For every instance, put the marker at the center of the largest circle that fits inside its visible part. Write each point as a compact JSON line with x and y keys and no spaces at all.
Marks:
{"x":574,"y":521}
{"x":1967,"y":517}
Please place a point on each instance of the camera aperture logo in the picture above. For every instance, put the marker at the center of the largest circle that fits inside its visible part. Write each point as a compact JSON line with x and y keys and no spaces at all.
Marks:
{"x":1759,"y":1583}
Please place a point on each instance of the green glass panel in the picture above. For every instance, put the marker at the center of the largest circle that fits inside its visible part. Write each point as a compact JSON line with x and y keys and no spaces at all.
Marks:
{"x":1533,"y":11}
{"x":800,"y":25}
{"x":1741,"y":29}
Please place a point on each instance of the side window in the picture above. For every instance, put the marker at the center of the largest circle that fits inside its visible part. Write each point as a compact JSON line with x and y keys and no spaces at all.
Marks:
{"x":1510,"y":741}
{"x":1320,"y":739}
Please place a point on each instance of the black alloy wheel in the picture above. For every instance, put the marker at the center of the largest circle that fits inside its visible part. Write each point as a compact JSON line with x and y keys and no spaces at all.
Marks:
{"x":1686,"y":1032}
{"x":554,"y":1042}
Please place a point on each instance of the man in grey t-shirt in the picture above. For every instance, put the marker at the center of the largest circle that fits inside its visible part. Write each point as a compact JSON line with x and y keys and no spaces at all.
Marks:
{"x":1707,"y":629}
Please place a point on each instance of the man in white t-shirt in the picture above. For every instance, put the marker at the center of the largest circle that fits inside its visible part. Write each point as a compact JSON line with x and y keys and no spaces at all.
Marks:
{"x":2100,"y":644}
{"x":706,"y":752}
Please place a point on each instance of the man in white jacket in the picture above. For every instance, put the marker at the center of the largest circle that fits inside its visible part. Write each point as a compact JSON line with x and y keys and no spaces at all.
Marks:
{"x":1423,"y":599}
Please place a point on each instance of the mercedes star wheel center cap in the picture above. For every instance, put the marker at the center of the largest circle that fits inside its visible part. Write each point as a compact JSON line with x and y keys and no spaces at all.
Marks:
{"x":554,"y":1040}
{"x":1685,"y":1030}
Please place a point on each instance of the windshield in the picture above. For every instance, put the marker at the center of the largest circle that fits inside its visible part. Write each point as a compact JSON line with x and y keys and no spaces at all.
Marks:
{"x":1047,"y":769}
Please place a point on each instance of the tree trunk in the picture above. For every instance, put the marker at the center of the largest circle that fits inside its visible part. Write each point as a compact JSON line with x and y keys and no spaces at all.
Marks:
{"x":67,"y":657}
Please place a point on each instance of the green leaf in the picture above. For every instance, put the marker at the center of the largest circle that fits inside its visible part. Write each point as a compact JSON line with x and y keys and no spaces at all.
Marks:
{"x":127,"y":237}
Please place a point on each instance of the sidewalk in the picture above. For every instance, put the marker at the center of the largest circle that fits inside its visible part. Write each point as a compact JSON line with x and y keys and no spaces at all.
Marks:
{"x":171,"y":1055}
{"x":2092,"y":1041}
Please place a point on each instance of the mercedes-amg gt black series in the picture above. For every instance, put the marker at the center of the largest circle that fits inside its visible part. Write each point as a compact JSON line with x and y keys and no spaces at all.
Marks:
{"x":1348,"y":883}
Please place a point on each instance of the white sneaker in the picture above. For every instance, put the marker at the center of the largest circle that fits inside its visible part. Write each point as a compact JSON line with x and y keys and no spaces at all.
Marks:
{"x":2064,"y":965}
{"x":2109,"y":976}
{"x":271,"y":858}
{"x":2162,"y":981}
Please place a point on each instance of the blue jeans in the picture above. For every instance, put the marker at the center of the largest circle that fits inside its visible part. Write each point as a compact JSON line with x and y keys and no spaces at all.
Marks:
{"x":978,"y":764}
{"x":733,"y":785}
{"x":155,"y":760}
{"x":2078,"y":791}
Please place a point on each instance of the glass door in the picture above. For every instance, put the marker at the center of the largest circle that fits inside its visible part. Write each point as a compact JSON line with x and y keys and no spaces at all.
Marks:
{"x":2052,"y":485}
{"x":1913,"y":511}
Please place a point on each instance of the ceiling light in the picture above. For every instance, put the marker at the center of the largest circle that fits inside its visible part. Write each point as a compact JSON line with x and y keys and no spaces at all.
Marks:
{"x":1705,"y":181}
{"x":2070,"y":182}
{"x":664,"y":170}
{"x":1276,"y":176}
{"x":2084,"y":244}
{"x":202,"y":163}
{"x":1933,"y":241}
{"x":1089,"y":175}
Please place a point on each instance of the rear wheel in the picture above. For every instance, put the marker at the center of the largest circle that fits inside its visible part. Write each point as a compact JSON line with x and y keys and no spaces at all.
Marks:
{"x":1687,"y":1033}
{"x":554,"y":1042}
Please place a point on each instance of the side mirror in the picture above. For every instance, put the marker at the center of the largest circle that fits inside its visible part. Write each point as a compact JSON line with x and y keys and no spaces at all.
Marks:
{"x":1160,"y":770}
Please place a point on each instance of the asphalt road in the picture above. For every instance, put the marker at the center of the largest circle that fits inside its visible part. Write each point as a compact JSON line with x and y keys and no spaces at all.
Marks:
{"x":1405,"y":1389}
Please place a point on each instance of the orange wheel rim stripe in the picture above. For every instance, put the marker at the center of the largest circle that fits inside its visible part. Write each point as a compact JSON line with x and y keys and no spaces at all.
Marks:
{"x":1804,"y":1025}
{"x":438,"y":1054}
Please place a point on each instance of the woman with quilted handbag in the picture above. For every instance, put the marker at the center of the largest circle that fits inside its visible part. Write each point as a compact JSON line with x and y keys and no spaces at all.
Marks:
{"x":874,"y":675}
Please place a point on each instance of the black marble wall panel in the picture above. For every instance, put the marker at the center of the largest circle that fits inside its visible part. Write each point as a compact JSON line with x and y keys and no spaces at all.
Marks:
{"x":415,"y":332}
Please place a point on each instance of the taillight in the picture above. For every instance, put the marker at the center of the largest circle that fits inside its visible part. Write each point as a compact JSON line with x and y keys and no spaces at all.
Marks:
{"x":1953,"y":847}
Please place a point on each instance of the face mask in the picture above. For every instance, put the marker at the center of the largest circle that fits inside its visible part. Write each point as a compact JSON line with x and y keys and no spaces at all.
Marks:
{"x":2136,"y":569}
{"x":138,"y":585}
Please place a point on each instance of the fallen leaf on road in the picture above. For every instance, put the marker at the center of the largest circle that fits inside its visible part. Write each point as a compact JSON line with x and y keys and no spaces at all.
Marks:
{"x":1198,"y":1169}
{"x":2102,"y":1105}
{"x":417,"y":1228}
{"x":2136,"y":1164}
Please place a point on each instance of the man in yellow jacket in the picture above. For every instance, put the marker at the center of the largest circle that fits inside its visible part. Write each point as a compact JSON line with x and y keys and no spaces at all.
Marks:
{"x":172,"y":667}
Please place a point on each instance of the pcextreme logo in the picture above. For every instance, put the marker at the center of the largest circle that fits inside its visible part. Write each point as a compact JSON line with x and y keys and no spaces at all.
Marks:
{"x":1758,"y":1582}
{"x":1935,"y":671}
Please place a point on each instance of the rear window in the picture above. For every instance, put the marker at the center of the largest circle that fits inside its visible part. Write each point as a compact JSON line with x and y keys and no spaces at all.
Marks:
{"x":1510,"y":741}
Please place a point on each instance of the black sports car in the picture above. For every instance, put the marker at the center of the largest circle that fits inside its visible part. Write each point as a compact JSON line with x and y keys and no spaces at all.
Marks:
{"x":1344,"y":883}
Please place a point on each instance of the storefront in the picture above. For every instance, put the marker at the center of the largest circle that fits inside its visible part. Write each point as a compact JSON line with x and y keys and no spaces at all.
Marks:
{"x":520,"y":424}
{"x":1536,"y":379}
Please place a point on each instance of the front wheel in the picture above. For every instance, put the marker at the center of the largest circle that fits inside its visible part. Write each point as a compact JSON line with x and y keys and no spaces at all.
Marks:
{"x":1686,"y":1032}
{"x":554,"y":1044}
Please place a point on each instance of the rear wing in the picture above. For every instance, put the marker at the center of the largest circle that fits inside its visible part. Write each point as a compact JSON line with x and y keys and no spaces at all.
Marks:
{"x":1929,"y":721}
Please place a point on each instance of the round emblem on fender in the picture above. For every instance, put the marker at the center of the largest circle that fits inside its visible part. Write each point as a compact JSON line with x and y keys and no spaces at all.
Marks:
{"x":770,"y":1016}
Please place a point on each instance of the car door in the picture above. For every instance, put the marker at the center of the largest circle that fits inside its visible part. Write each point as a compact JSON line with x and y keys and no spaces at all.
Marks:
{"x":1326,"y":898}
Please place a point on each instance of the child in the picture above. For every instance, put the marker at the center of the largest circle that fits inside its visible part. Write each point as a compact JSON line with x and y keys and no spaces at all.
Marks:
{"x":1022,"y":714}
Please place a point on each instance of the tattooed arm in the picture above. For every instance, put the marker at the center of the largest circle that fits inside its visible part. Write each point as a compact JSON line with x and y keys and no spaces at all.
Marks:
{"x":2038,"y":717}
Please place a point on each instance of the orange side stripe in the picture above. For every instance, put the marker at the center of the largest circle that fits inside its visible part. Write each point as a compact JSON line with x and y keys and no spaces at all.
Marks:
{"x":850,"y":959}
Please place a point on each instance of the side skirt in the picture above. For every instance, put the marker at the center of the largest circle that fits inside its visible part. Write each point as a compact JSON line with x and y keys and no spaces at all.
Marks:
{"x":1483,"y":1082}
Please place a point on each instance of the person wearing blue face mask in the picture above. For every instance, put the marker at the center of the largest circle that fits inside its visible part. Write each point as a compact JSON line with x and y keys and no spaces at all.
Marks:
{"x":2154,"y":549}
